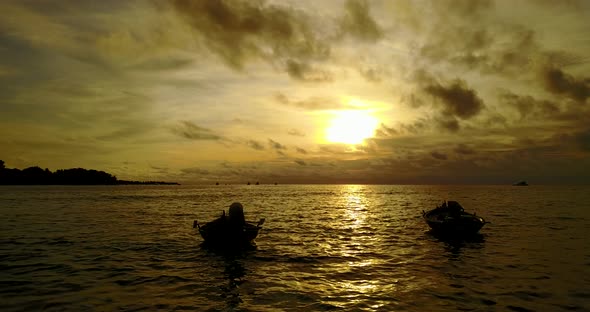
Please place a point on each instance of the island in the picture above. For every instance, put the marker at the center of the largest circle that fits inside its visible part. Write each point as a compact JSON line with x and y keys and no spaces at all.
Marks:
{"x":75,"y":176}
{"x":521,"y":183}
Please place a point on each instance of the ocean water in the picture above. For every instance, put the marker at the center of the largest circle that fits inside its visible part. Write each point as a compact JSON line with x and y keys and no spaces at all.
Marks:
{"x":322,"y":248}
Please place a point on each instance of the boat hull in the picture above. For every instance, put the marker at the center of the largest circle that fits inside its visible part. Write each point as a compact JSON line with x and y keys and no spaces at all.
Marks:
{"x":466,"y":226}
{"x":221,"y":234}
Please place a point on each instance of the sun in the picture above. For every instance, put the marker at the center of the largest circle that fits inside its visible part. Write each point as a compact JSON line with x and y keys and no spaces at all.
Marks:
{"x":351,"y":127}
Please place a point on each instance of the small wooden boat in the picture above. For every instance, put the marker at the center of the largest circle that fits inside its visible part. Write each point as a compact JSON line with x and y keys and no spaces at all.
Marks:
{"x":230,"y":231}
{"x":451,"y":218}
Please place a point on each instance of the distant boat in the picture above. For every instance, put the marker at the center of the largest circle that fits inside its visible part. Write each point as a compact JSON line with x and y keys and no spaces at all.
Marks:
{"x":451,"y":218}
{"x":521,"y":183}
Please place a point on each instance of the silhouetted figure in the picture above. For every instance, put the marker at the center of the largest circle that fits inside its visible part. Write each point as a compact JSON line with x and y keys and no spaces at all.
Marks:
{"x":236,"y":220}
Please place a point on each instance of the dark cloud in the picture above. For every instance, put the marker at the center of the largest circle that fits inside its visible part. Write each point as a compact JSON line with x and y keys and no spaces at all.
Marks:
{"x":564,"y":58}
{"x":255,"y":145}
{"x":276,"y":145}
{"x":529,"y":107}
{"x":238,"y":30}
{"x":495,"y":119}
{"x":189,"y":130}
{"x":416,"y":127}
{"x":300,"y":150}
{"x":457,"y":99}
{"x":385,"y":131}
{"x":305,"y":72}
{"x":558,"y":82}
{"x":448,"y":123}
{"x":439,"y":155}
{"x":358,"y":22}
{"x":300,"y":162}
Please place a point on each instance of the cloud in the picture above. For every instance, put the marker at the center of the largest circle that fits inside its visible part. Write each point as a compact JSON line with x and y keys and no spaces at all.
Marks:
{"x":457,"y":99}
{"x":301,"y":150}
{"x":385,"y":131}
{"x":241,"y":30}
{"x":300,"y":162}
{"x":530,"y":107}
{"x":448,"y":123}
{"x":255,"y":145}
{"x":558,"y":82}
{"x":125,"y":132}
{"x":189,"y":130}
{"x":163,"y":64}
{"x":358,"y":22}
{"x":417,"y":126}
{"x":312,"y":103}
{"x":439,"y":156}
{"x":305,"y":72}
{"x":276,"y":145}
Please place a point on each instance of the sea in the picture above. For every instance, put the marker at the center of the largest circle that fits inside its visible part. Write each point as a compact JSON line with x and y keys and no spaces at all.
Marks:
{"x":321,"y":248}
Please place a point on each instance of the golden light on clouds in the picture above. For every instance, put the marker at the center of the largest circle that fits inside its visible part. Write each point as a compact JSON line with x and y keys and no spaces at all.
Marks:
{"x":351,"y":127}
{"x":291,"y":91}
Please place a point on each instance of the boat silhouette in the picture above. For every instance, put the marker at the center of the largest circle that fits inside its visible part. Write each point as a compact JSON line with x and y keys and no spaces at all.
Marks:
{"x":451,"y":218}
{"x":230,"y":231}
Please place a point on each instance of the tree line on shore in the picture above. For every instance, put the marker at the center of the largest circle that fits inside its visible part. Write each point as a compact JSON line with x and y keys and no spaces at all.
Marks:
{"x":75,"y":176}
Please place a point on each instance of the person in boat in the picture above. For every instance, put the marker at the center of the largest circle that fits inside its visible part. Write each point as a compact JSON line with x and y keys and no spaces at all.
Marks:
{"x":236,"y":219}
{"x":233,"y":223}
{"x":450,"y":208}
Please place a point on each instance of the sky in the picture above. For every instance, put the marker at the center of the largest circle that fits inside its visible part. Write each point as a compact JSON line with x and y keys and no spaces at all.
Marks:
{"x":299,"y":91}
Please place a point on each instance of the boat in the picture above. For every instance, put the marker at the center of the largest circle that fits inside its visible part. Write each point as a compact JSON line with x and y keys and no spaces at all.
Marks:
{"x":230,"y":231}
{"x":521,"y":183}
{"x":451,"y":218}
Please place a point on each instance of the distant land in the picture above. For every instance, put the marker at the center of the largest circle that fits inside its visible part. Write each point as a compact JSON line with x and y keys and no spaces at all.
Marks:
{"x":75,"y":176}
{"x":521,"y":183}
